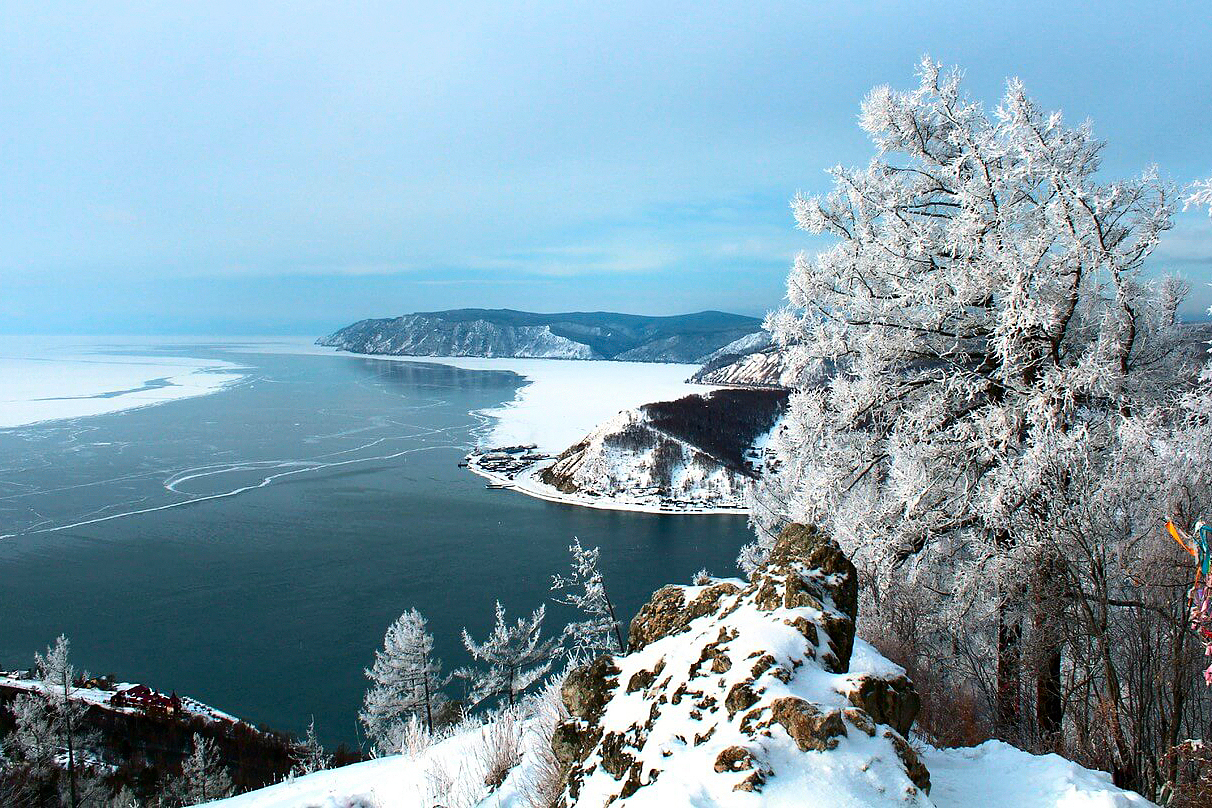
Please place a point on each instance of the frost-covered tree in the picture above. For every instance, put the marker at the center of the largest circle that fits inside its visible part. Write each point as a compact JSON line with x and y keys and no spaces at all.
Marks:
{"x":584,"y":588}
{"x":516,"y":657}
{"x":203,"y":776}
{"x":979,"y":320}
{"x":65,"y":711}
{"x":35,"y":739}
{"x":405,"y":679}
{"x":1201,"y":195}
{"x":310,"y":754}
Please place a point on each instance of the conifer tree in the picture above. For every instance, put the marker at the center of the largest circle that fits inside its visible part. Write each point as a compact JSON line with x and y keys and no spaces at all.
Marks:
{"x":516,"y":656}
{"x":585,"y":589}
{"x":405,"y":680}
{"x":65,"y":714}
{"x":311,"y":755}
{"x":203,"y":776}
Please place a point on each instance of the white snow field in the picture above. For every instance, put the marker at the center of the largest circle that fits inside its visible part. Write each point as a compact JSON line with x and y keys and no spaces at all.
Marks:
{"x":992,"y":775}
{"x":997,"y":775}
{"x":54,"y":378}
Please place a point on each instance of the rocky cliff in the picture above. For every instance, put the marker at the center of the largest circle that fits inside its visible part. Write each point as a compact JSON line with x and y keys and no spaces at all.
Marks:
{"x":734,"y":689}
{"x":574,"y":335}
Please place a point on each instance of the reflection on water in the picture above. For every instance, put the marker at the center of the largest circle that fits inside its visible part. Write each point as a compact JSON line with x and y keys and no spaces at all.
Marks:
{"x":249,"y":547}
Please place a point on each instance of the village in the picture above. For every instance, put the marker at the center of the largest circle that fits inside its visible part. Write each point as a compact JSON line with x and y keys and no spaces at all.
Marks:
{"x":120,"y":697}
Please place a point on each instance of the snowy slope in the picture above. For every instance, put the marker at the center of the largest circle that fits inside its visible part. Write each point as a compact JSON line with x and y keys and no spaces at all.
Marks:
{"x":992,"y":775}
{"x":629,"y":460}
{"x":422,"y":335}
{"x":762,"y":368}
{"x":733,"y":694}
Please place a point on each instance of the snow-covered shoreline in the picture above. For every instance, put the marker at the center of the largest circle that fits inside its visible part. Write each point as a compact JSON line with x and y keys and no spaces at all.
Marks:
{"x":527,"y":482}
{"x":21,"y":682}
{"x":60,"y":378}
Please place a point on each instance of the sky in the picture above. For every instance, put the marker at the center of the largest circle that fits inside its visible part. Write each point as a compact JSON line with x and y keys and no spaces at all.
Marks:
{"x":287,"y":168}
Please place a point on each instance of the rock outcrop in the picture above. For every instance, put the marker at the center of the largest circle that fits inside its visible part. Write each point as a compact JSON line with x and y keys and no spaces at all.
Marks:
{"x":735,"y":689}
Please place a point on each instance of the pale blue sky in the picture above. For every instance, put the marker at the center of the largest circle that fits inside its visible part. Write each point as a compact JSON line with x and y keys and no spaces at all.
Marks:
{"x":222,"y":167}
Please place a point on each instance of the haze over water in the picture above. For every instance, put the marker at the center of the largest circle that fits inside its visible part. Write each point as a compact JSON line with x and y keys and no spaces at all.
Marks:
{"x":267,"y":599}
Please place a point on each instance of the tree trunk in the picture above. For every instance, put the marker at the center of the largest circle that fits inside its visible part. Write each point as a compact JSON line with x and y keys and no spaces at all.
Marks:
{"x":1009,"y":675}
{"x":428,"y":711}
{"x":71,"y":751}
{"x":618,"y":634}
{"x":1049,"y":709}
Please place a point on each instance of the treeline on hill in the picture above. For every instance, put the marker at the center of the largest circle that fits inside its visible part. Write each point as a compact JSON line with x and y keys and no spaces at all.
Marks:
{"x":723,"y":423}
{"x":133,"y":758}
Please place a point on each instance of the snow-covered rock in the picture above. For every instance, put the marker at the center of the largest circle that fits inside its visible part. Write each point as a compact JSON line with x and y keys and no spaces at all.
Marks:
{"x":738,"y":690}
{"x":733,"y":693}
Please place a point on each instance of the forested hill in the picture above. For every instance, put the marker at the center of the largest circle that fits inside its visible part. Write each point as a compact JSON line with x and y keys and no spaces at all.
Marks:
{"x":573,"y":335}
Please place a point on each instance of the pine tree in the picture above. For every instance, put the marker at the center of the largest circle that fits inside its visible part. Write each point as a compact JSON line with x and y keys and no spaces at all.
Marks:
{"x":34,"y":740}
{"x":203,"y":776}
{"x":66,"y":713}
{"x":311,"y":755}
{"x":585,"y":589}
{"x":405,"y":680}
{"x":516,"y":656}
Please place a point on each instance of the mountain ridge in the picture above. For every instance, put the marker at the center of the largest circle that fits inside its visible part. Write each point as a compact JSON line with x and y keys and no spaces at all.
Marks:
{"x":566,"y":335}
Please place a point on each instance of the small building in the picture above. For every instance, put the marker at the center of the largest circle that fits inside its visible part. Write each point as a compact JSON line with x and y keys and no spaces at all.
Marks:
{"x":142,"y":697}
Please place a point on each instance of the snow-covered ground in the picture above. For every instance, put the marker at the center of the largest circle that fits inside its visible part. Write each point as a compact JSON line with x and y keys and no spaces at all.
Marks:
{"x":997,"y":775}
{"x":97,"y":697}
{"x":992,"y":775}
{"x":53,"y":378}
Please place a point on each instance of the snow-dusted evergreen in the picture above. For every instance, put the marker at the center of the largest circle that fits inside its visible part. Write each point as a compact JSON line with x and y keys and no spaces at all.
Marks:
{"x":51,"y":729}
{"x":35,"y":739}
{"x":203,"y":776}
{"x":311,"y":755}
{"x":406,"y":680}
{"x":516,"y":657}
{"x":584,"y":589}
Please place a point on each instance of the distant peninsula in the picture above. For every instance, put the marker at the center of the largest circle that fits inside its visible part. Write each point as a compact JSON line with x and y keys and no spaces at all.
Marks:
{"x":685,"y":338}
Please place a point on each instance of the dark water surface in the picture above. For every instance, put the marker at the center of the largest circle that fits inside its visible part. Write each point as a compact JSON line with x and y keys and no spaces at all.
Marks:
{"x":267,"y":599}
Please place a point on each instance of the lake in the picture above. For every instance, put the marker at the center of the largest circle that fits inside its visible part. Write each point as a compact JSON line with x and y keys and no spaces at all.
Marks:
{"x":249,"y":547}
